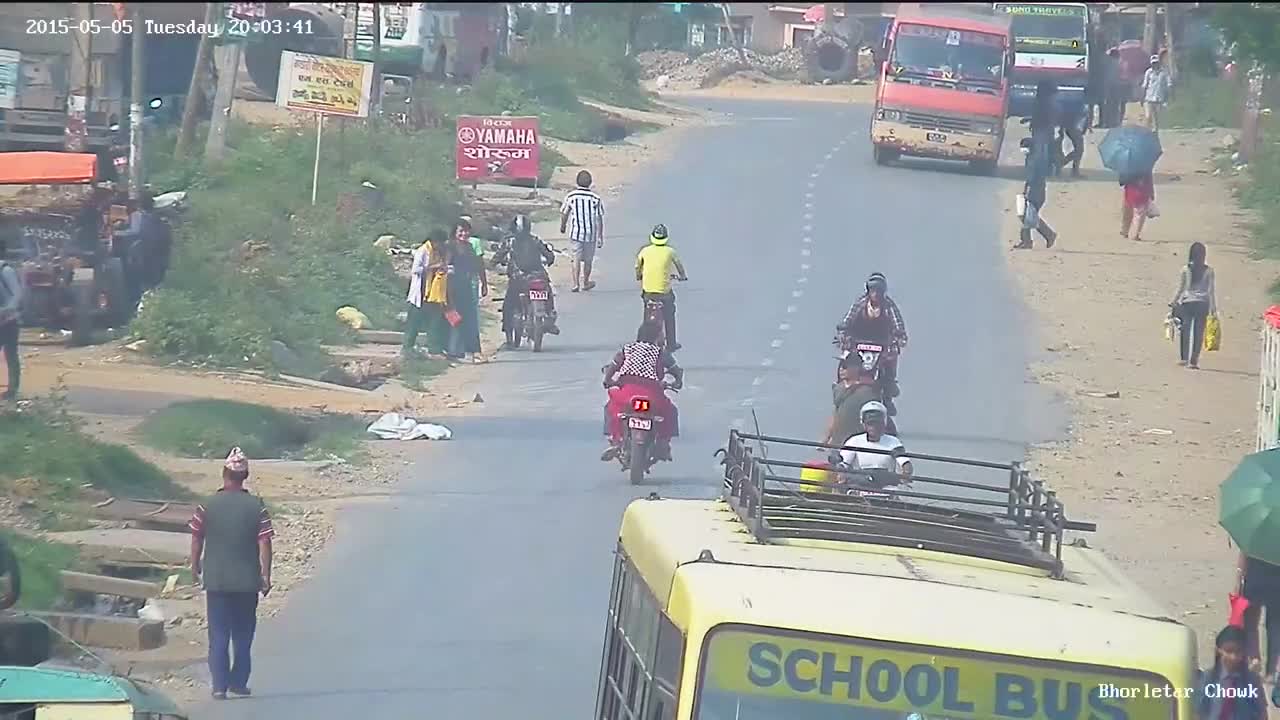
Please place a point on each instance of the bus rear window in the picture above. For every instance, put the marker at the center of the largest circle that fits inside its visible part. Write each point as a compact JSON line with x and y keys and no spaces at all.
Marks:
{"x":757,"y":674}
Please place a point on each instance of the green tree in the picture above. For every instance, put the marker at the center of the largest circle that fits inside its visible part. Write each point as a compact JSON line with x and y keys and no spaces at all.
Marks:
{"x":1254,"y":28}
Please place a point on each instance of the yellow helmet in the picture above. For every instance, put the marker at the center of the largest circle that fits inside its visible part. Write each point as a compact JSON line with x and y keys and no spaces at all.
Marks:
{"x":659,"y":235}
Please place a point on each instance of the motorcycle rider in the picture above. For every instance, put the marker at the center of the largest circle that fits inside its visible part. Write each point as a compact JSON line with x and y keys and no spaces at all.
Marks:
{"x":875,"y":317}
{"x":874,"y":418}
{"x":854,"y":389}
{"x":654,"y":266}
{"x":527,"y":257}
{"x":640,"y":368}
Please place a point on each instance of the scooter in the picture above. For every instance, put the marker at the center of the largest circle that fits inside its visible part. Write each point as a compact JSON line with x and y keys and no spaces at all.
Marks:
{"x":639,"y":437}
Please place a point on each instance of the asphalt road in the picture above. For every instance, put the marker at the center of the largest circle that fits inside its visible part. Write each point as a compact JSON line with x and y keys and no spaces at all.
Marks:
{"x":480,"y":590}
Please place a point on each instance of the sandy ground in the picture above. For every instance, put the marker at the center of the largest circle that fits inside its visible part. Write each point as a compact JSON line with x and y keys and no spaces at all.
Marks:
{"x":1146,"y":465}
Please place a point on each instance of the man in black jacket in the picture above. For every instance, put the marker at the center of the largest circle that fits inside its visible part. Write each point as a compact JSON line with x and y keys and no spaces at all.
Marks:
{"x":526,"y":256}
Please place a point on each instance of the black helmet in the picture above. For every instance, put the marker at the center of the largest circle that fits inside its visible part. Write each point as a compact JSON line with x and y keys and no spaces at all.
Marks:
{"x":659,"y":234}
{"x":520,"y":224}
{"x":877,"y":281}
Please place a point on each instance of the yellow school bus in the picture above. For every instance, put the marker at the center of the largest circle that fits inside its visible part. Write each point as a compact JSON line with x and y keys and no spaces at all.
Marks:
{"x":956,"y":598}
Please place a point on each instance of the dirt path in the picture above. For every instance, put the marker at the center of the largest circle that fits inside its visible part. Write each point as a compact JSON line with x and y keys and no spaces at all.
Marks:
{"x":1146,"y":465}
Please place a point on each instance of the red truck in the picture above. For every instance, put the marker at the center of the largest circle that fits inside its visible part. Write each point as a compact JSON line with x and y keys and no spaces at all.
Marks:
{"x":943,"y":86}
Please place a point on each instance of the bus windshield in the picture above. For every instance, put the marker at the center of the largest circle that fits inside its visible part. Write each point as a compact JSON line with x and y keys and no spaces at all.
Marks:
{"x":753,"y":673}
{"x":939,"y":53}
{"x":1049,"y":33}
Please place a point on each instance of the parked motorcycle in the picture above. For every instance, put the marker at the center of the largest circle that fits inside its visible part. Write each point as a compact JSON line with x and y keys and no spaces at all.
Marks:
{"x":532,"y":316}
{"x":640,"y":437}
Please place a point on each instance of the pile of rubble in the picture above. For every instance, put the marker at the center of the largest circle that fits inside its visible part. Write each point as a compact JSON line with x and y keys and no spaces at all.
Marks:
{"x":675,"y":70}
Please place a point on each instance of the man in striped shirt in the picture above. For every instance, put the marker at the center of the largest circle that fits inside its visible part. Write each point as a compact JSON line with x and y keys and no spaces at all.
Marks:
{"x":231,"y":555}
{"x":582,"y":216}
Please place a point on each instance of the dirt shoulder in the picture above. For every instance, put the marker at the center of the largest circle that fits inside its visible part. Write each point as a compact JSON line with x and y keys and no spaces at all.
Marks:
{"x":1146,"y":464}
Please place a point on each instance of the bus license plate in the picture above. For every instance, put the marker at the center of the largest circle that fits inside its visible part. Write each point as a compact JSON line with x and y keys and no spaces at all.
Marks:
{"x":935,"y":137}
{"x":639,"y":423}
{"x":537,"y":294}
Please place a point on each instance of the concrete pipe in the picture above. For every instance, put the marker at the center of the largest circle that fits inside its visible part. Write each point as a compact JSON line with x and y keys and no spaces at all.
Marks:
{"x":262,"y":57}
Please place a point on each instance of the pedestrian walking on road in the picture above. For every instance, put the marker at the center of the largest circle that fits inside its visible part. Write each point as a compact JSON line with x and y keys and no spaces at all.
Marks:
{"x":582,"y":216}
{"x":10,"y":314}
{"x":1156,"y":91}
{"x":1230,"y":690}
{"x":1115,"y":91}
{"x":1139,"y":198}
{"x":1193,"y":304}
{"x":231,"y":556}
{"x":428,"y":296}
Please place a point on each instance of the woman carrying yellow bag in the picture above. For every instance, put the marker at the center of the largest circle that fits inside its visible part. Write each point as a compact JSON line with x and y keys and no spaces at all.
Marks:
{"x":428,"y":296}
{"x":1196,"y":309}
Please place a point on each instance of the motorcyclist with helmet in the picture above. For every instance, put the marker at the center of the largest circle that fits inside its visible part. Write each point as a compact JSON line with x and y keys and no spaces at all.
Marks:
{"x":854,"y":455}
{"x":875,"y":317}
{"x":527,"y":257}
{"x":655,"y":264}
{"x":641,"y":368}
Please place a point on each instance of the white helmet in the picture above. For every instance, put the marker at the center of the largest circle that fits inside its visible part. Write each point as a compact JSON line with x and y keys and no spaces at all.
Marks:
{"x":874,"y":407}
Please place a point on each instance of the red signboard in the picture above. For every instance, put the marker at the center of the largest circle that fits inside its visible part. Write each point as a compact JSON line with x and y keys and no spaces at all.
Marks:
{"x":497,"y":147}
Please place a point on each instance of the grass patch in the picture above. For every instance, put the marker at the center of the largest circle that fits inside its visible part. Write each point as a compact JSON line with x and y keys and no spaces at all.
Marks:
{"x":1201,"y":102}
{"x":255,"y":262}
{"x":417,"y":372}
{"x":210,"y":428}
{"x":39,"y":562}
{"x":49,"y":463}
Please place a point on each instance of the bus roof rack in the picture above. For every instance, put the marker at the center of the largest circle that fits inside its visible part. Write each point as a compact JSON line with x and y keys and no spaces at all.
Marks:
{"x":1021,"y":522}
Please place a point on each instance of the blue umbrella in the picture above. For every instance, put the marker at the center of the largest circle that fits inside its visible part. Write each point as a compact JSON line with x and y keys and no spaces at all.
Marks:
{"x":1130,"y":150}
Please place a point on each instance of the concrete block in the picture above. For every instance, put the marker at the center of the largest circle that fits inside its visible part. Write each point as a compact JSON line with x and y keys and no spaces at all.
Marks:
{"x":107,"y":631}
{"x":107,"y":585}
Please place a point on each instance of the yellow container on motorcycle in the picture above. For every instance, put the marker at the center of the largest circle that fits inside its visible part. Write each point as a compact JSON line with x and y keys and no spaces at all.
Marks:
{"x":816,"y":472}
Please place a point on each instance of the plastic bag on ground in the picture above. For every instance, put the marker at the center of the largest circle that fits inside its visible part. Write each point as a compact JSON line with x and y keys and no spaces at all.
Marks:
{"x":394,"y":426}
{"x":352,"y":318}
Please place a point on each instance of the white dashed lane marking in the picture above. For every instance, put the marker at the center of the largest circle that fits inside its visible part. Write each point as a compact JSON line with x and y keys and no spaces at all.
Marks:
{"x":802,"y":278}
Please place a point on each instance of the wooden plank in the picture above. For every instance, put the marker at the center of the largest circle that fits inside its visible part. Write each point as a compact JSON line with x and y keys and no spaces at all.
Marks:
{"x":106,"y":631}
{"x":106,"y":585}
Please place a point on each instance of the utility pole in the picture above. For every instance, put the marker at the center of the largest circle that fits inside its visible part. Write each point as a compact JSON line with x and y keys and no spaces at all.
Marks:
{"x":195,"y":91}
{"x":228,"y":67}
{"x":80,"y":77}
{"x":351,"y":12}
{"x":376,"y":101}
{"x":137,"y":81}
{"x":559,"y":18}
{"x":1171,"y":60}
{"x":1149,"y":30}
{"x":733,"y":36}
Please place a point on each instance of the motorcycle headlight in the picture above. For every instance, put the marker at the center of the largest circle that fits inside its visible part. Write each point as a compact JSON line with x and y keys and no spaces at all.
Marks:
{"x":890,"y":115}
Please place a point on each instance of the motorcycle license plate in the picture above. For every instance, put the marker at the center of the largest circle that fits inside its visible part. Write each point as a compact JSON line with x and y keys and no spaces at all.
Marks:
{"x":639,"y":423}
{"x":935,"y":137}
{"x":537,"y":294}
